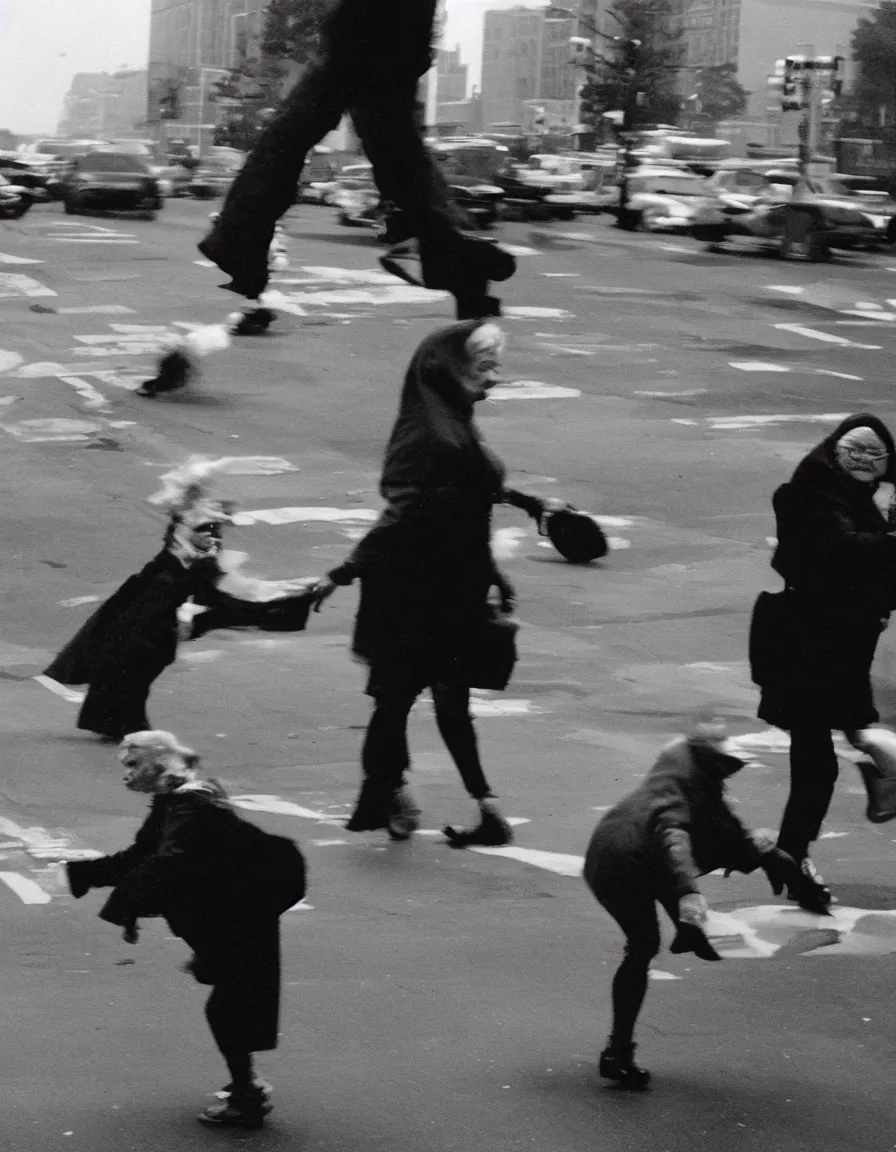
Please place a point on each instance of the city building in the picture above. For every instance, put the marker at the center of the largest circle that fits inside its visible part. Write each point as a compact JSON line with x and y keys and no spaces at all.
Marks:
{"x":99,"y":104}
{"x":525,"y":56}
{"x":451,"y":76}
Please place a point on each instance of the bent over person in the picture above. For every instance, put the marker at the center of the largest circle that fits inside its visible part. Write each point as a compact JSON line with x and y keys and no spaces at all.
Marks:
{"x":651,"y":848}
{"x":373,"y":53}
{"x":222,"y":884}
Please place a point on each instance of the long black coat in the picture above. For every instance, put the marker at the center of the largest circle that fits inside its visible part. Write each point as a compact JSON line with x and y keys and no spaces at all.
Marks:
{"x":135,"y":631}
{"x":837,"y":556}
{"x":426,"y":568}
{"x":217,"y":880}
{"x":675,"y":827}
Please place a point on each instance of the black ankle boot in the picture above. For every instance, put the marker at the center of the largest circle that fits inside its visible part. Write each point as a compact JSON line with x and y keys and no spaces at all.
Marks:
{"x":810,"y":891}
{"x":617,"y":1063}
{"x":253,"y":321}
{"x":881,"y":793}
{"x":175,"y":371}
{"x":249,"y":270}
{"x":243,"y":1107}
{"x":404,"y":819}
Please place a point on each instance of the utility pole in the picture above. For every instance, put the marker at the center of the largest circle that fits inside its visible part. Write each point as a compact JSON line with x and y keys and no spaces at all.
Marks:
{"x":807,"y":82}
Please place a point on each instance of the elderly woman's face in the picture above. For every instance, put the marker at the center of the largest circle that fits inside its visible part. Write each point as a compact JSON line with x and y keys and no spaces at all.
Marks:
{"x":862,"y":455}
{"x":142,"y":769}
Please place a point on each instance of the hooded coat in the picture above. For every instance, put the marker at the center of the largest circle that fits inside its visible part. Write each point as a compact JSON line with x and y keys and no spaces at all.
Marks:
{"x":837,"y":557}
{"x":426,"y":567}
{"x":672,"y":829}
{"x":221,"y":883}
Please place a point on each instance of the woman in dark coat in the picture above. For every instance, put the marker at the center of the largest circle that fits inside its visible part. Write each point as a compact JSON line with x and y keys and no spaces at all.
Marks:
{"x":426,"y":570}
{"x":651,"y":848}
{"x":836,"y":552}
{"x":222,"y":884}
{"x":131,"y":638}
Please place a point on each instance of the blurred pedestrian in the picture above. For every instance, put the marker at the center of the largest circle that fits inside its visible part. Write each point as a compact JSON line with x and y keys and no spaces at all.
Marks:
{"x":222,"y":884}
{"x":373,"y":54}
{"x":812,"y":645}
{"x":651,"y":848}
{"x":426,"y":571}
{"x":186,"y":590}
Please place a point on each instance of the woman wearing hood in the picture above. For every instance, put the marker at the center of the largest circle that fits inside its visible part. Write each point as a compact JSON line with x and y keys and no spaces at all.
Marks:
{"x":426,"y":571}
{"x":836,"y":552}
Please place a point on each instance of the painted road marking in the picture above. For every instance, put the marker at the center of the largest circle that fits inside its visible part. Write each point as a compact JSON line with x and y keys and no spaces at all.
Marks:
{"x":528,"y":312}
{"x":77,"y":601}
{"x":531,"y":390}
{"x":839,"y":375}
{"x":91,"y":396}
{"x":560,"y":863}
{"x":98,"y":309}
{"x":395,"y":293}
{"x":81,"y":232}
{"x":14,"y":284}
{"x":5,"y":258}
{"x":792,"y":289}
{"x":683,"y":394}
{"x":9,"y":360}
{"x":298,"y":515}
{"x":756,"y":366}
{"x":63,"y":690}
{"x":52,"y":430}
{"x":27,"y":890}
{"x":736,"y":423}
{"x":825,"y":337}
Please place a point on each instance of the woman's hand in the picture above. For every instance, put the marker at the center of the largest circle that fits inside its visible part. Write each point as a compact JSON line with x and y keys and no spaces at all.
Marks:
{"x":322,"y":590}
{"x":548,"y":505}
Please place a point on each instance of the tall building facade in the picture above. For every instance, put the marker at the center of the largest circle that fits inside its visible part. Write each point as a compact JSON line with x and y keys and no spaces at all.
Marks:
{"x":451,"y":76}
{"x":525,"y":56}
{"x":99,"y":105}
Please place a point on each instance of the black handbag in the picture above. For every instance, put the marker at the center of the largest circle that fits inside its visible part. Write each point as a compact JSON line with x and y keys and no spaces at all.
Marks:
{"x":770,"y":645}
{"x":492,"y":655}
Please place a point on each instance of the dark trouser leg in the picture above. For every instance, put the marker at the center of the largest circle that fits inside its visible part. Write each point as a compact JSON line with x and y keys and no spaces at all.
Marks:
{"x":455,"y":723}
{"x":115,"y":707}
{"x":266,"y":186}
{"x":635,"y":913}
{"x":384,"y":760}
{"x":813,"y":773}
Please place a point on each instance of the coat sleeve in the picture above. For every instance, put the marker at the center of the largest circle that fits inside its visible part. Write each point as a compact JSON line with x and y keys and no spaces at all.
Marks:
{"x":145,"y":889}
{"x":670,"y":832}
{"x":529,"y":504}
{"x":108,"y":871}
{"x":823,"y":521}
{"x":365,"y":554}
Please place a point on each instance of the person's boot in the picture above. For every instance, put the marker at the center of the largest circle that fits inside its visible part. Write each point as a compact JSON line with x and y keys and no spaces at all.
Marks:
{"x":176,"y":370}
{"x":405,"y":816}
{"x":692,"y":938}
{"x":247,"y":266}
{"x":492,"y":831}
{"x":245,"y":1107}
{"x":881,"y":793}
{"x":252,"y":321}
{"x":266,"y":1089}
{"x":373,"y":808}
{"x":617,"y":1063}
{"x":810,"y":891}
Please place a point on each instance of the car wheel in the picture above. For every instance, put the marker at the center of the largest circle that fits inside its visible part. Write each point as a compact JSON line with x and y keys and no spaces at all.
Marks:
{"x":647,"y":222}
{"x":627,"y":219}
{"x":891,"y":231}
{"x":72,"y":208}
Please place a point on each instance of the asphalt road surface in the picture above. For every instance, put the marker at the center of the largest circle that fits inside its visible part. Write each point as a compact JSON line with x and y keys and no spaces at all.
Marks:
{"x":435,"y":1001}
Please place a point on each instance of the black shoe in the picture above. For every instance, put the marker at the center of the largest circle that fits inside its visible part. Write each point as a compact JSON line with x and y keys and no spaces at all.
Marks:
{"x":373,"y":809}
{"x":692,"y":938}
{"x":616,"y":1063}
{"x":404,"y":819}
{"x":454,"y":260}
{"x":811,"y":892}
{"x":176,"y":370}
{"x":881,"y":793}
{"x":241,"y":1108}
{"x":253,"y":322}
{"x":266,"y":1090}
{"x":250,"y":275}
{"x":492,"y":831}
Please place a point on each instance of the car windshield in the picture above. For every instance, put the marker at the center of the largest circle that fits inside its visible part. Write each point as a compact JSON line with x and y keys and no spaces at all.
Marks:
{"x":672,"y":185}
{"x":132,"y":148}
{"x":111,"y":162}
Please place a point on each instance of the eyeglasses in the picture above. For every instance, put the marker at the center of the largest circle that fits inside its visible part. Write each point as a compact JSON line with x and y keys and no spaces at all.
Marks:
{"x":210,"y":527}
{"x":858,"y":453}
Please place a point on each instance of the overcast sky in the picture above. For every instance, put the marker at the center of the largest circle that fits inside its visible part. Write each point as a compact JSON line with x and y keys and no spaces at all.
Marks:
{"x":44,"y":42}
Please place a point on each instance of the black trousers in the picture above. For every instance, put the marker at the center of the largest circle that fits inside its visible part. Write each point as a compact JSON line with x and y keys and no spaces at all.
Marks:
{"x":385,"y":758}
{"x":631,"y":901}
{"x":116,"y":705}
{"x":813,"y":774}
{"x":382,"y":101}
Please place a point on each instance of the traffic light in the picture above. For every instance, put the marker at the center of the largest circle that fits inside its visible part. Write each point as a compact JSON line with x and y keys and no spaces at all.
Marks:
{"x":837,"y":76}
{"x":791,"y":98}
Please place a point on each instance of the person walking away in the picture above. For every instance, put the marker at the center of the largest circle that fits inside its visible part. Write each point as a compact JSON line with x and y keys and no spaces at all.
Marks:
{"x":373,"y":53}
{"x":426,"y":570}
{"x":221,"y":884}
{"x":651,"y":848}
{"x":836,"y":552}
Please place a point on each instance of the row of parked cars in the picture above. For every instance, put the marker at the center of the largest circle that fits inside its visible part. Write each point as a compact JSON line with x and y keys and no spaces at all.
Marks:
{"x":832,"y":211}
{"x":116,"y":174}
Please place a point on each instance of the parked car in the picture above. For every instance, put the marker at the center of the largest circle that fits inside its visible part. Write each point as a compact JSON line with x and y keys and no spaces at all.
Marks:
{"x":209,"y":179}
{"x":15,"y":200}
{"x":27,"y":172}
{"x":740,"y":186}
{"x":820,"y":223}
{"x":173,"y":176}
{"x":663,"y":199}
{"x":102,"y":180}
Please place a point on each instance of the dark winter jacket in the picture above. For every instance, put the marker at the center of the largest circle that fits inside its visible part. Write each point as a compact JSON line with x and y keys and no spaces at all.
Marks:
{"x":194,"y":861}
{"x":426,"y":567}
{"x":837,"y":556}
{"x":675,"y":827}
{"x":137,"y":627}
